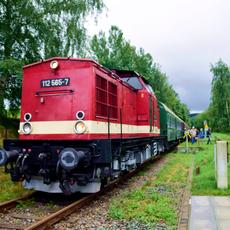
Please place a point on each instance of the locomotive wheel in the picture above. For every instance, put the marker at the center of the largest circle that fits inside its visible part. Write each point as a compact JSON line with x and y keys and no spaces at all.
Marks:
{"x":104,"y":181}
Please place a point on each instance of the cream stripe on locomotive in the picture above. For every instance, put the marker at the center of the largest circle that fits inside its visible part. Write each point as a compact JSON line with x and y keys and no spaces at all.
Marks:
{"x":92,"y":127}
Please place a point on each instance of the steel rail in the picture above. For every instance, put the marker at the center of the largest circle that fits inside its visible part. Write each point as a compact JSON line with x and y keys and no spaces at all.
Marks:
{"x":5,"y":206}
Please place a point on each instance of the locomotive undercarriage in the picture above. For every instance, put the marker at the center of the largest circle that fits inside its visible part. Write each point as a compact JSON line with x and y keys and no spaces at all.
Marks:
{"x":69,"y":167}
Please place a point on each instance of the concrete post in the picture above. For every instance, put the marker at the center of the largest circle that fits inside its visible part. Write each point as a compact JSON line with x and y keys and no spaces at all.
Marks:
{"x":221,"y":165}
{"x":215,"y":161}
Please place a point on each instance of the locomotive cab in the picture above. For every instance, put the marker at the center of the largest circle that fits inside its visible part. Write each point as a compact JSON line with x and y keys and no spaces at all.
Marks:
{"x":147,"y":110}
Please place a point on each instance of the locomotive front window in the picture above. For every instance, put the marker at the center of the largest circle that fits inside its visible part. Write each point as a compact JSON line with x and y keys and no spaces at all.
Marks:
{"x":133,"y":81}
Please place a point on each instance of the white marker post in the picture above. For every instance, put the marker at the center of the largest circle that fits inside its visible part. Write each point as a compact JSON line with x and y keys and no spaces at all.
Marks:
{"x":221,"y":165}
{"x":215,"y":160}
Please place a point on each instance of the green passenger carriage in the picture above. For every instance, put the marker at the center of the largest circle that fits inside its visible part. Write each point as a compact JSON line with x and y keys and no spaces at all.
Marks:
{"x":172,"y":127}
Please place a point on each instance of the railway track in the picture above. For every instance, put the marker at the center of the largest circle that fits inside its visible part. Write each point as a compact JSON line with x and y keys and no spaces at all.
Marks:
{"x":46,"y":222}
{"x":5,"y":206}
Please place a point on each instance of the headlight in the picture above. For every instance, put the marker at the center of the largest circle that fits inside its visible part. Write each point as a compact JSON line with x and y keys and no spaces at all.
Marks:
{"x":27,"y":128}
{"x":27,"y":117}
{"x":80,"y":127}
{"x":80,"y":115}
{"x":54,"y":64}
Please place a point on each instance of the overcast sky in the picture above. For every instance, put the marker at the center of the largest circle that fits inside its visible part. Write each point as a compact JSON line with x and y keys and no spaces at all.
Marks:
{"x":183,"y":36}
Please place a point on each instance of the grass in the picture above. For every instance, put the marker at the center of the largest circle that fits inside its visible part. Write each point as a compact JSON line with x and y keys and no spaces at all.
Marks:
{"x":11,"y":134}
{"x":156,"y":202}
{"x":8,"y":189}
{"x":205,"y":182}
{"x":25,"y":203}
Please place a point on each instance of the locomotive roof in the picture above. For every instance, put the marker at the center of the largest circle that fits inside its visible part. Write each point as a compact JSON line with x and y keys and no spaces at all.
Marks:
{"x":75,"y":59}
{"x":169,"y":110}
{"x":113,"y":72}
{"x":63,"y":58}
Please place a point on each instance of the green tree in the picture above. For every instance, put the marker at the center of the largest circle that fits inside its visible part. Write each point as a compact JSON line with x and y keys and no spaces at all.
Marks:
{"x":115,"y":52}
{"x":10,"y":85}
{"x":35,"y":29}
{"x":198,"y":121}
{"x":220,"y":97}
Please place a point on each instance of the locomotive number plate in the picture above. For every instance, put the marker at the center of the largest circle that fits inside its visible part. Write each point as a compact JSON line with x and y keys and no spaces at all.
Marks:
{"x":55,"y":82}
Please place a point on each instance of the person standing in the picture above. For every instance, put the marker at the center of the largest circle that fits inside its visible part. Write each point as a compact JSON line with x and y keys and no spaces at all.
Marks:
{"x":193,"y":134}
{"x":209,"y":136}
{"x":205,"y":129}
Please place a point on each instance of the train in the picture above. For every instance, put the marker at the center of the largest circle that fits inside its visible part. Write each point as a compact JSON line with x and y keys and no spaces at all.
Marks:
{"x":83,"y":125}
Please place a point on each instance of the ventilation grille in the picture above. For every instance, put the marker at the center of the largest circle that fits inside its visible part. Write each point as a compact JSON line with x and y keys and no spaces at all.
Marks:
{"x":106,"y":98}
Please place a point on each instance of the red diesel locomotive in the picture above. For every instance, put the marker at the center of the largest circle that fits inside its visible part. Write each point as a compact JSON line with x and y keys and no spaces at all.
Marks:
{"x":81,"y":124}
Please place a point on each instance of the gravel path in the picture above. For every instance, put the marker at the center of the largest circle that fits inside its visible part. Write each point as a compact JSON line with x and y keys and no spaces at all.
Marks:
{"x":95,"y":216}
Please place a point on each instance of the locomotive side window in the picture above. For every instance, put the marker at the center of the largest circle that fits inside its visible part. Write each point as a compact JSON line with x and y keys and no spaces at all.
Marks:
{"x":106,"y":98}
{"x":133,"y":81}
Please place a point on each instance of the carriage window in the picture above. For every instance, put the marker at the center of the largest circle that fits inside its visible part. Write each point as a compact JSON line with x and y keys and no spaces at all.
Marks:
{"x":106,"y":98}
